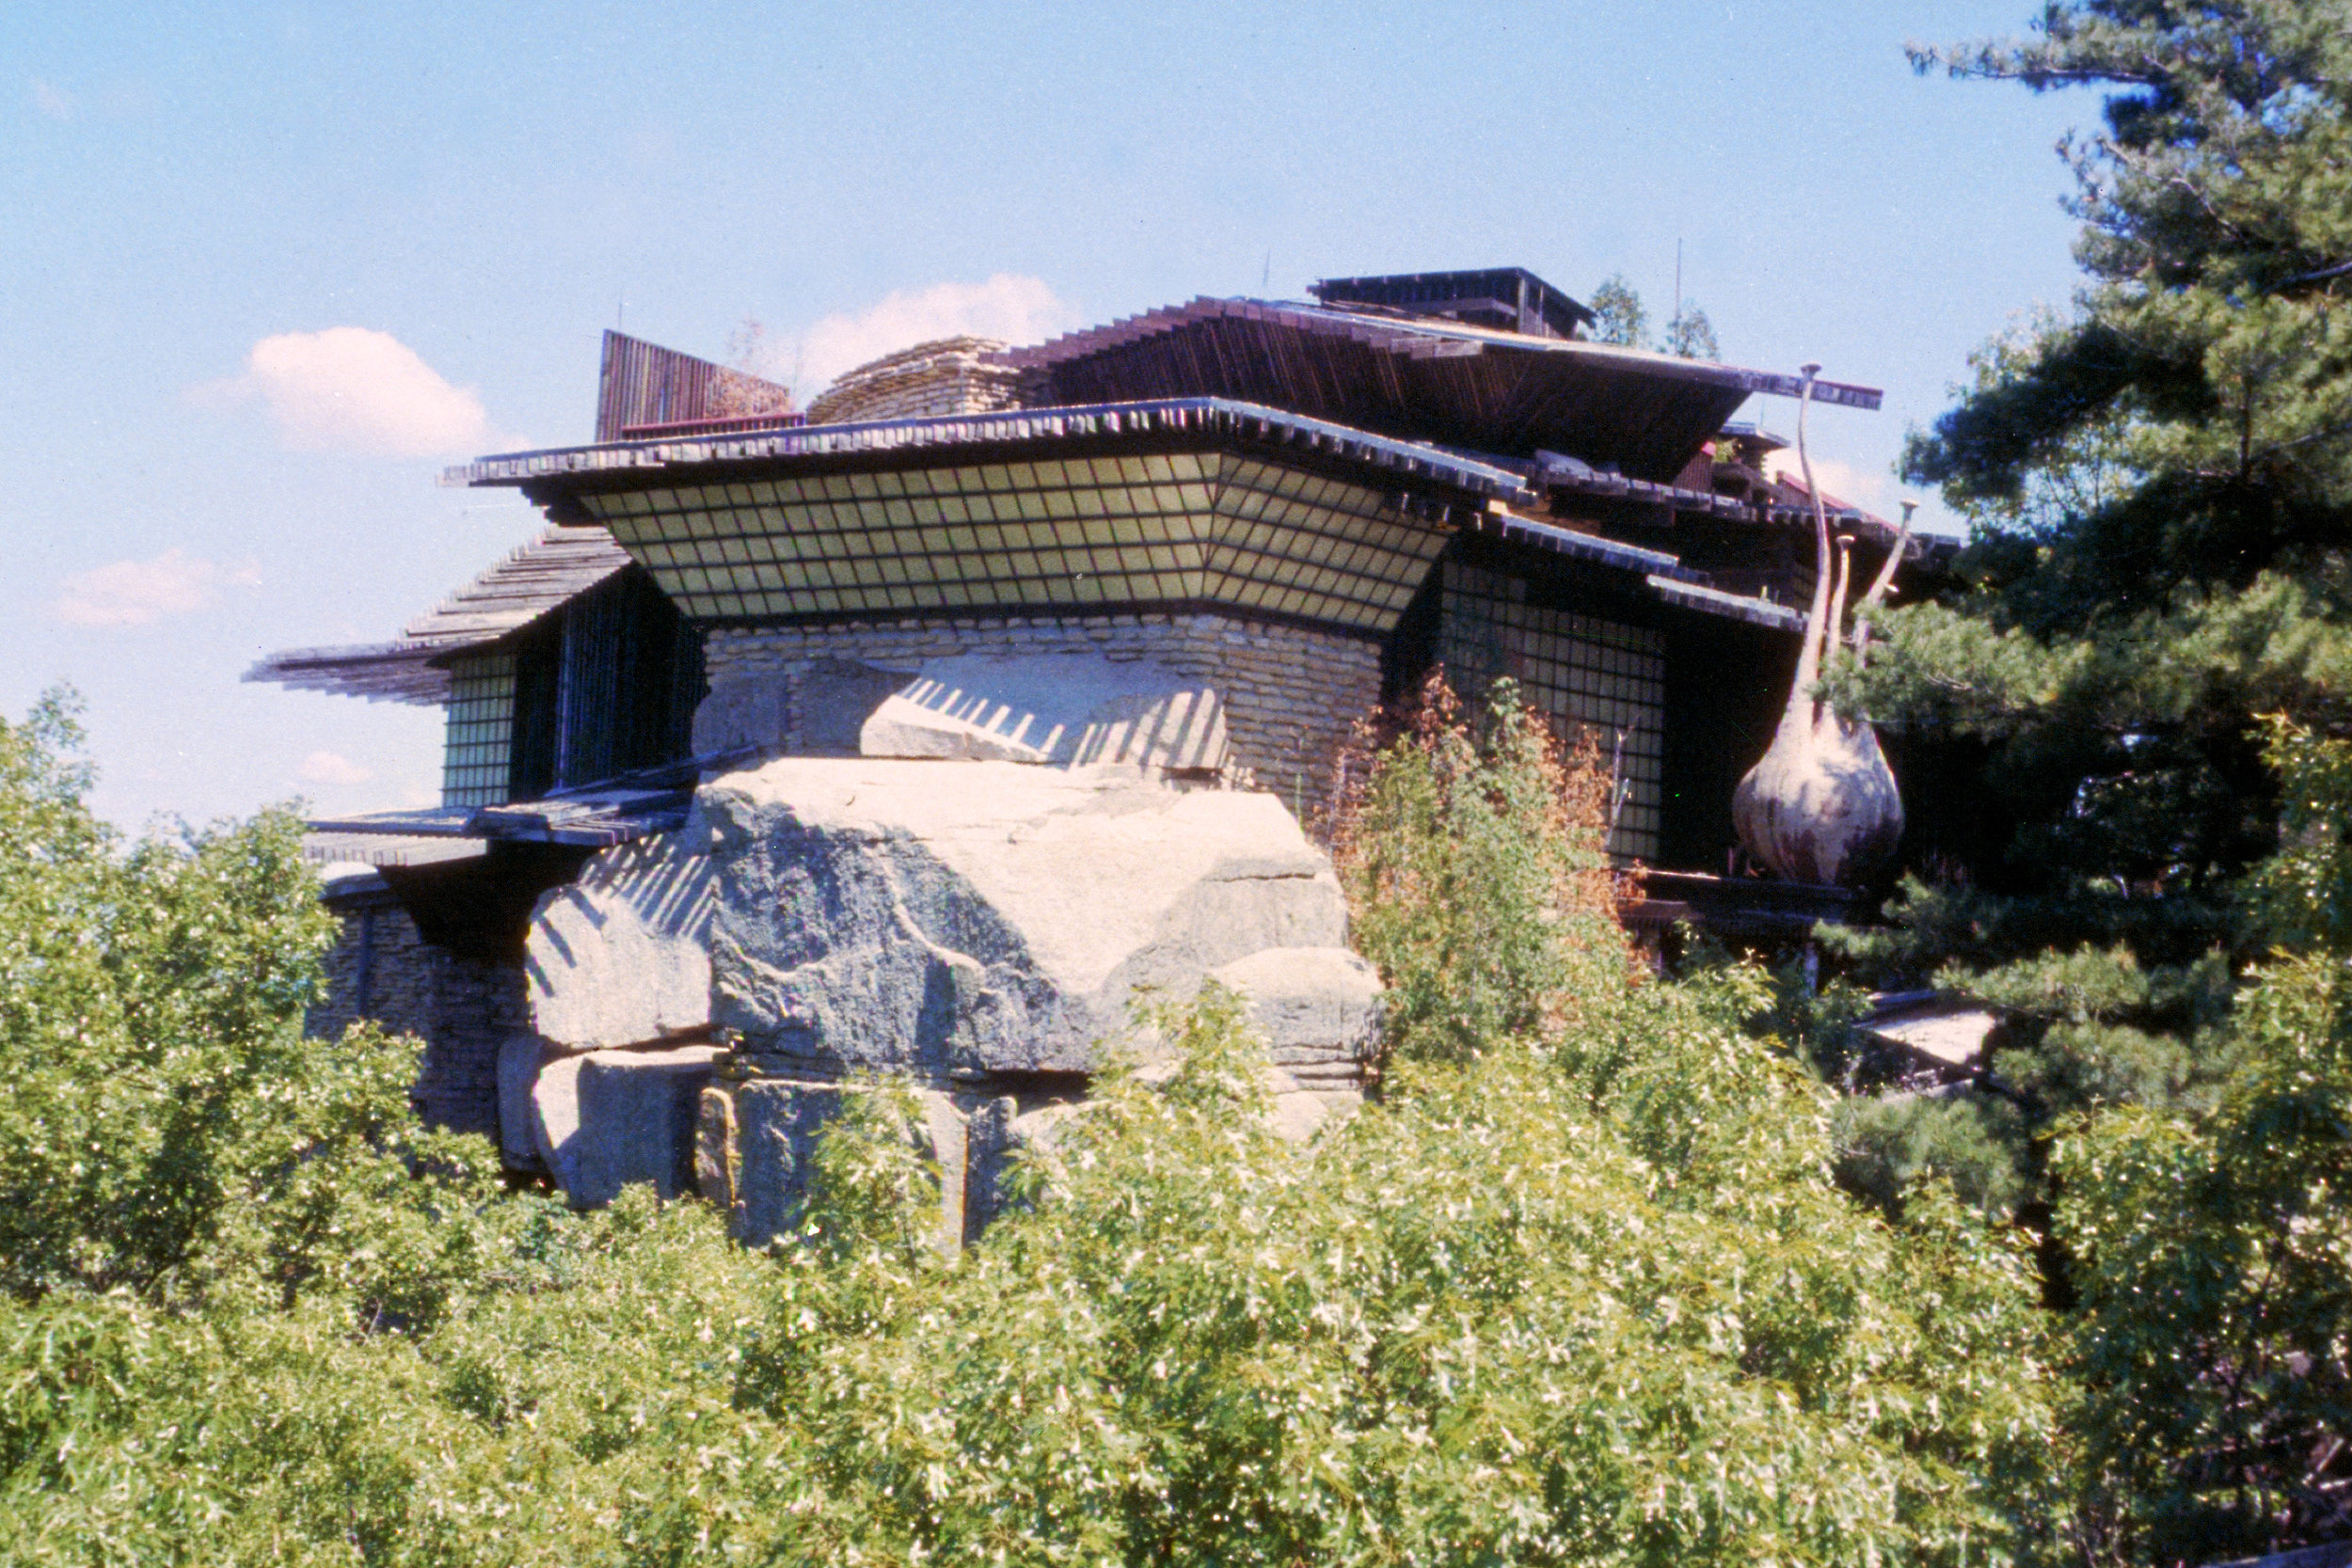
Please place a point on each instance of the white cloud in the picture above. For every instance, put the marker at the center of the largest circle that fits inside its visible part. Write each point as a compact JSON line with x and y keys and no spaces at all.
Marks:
{"x":52,"y":100}
{"x":332,"y":768}
{"x":349,"y":389}
{"x":1012,"y":309}
{"x":134,"y":593}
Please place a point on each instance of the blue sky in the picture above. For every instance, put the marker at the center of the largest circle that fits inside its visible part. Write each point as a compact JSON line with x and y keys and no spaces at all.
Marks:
{"x":270,"y":267}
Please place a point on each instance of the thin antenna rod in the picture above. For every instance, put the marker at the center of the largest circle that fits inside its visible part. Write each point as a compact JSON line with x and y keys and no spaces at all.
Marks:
{"x":1678,"y":321}
{"x":1266,"y":279}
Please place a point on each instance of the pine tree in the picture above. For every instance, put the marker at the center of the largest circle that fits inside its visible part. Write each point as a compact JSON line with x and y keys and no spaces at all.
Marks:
{"x":2160,"y":485}
{"x":2149,"y":669}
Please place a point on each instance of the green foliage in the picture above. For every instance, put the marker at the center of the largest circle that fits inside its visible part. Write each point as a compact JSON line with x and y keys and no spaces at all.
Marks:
{"x":1474,"y":860}
{"x":1585,"y":1291}
{"x":2160,"y":483}
{"x":2212,"y":1239}
{"x":146,"y":1003}
{"x":1897,"y":1147}
{"x":1618,"y":313}
{"x":2212,"y":1255}
{"x":2303,"y":893}
{"x":1692,"y":335}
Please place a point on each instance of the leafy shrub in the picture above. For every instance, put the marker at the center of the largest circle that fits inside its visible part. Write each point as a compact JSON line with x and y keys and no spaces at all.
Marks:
{"x":1579,"y":1289}
{"x":1475,"y":867}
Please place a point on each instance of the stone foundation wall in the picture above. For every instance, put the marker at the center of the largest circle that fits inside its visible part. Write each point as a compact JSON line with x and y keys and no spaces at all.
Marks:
{"x":462,"y":1009}
{"x":478,"y":1005}
{"x":1291,"y":694}
{"x":379,"y":968}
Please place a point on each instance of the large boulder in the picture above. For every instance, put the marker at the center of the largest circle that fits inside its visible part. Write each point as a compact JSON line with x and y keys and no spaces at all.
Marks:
{"x":1319,"y":1008}
{"x":974,"y":918}
{"x":621,"y":955}
{"x":1063,"y":708}
{"x":521,"y":1057}
{"x":603,"y":1119}
{"x":756,"y":1138}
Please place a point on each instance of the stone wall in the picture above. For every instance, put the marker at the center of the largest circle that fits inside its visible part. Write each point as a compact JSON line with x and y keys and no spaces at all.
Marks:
{"x":1290,"y":694}
{"x":947,"y":377}
{"x":379,"y":967}
{"x":462,"y":1009}
{"x":477,"y":1006}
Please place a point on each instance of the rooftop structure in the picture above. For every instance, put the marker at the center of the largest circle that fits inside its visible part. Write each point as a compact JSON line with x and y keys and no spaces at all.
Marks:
{"x":1512,"y":298}
{"x":1204,"y":540}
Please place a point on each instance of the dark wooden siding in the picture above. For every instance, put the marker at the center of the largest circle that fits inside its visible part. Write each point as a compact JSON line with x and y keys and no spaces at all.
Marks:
{"x":608,"y":686}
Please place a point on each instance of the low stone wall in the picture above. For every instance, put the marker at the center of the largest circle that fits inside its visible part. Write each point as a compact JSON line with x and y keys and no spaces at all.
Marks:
{"x":380,"y":968}
{"x":1290,"y":694}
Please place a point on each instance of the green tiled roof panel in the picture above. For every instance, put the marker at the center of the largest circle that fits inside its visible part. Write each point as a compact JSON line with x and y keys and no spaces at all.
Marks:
{"x":1078,"y":533}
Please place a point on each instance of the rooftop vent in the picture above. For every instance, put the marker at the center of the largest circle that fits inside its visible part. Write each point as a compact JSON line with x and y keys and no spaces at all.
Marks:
{"x":1510,"y":298}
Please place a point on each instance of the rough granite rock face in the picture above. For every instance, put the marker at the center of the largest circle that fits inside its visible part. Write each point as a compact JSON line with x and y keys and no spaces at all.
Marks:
{"x":968,"y":918}
{"x":756,"y":1138}
{"x":520,"y":1059}
{"x":621,"y":955}
{"x":1319,"y":1007}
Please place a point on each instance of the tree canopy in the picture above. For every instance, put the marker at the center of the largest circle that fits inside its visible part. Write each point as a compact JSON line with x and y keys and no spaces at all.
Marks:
{"x":2147,"y":663}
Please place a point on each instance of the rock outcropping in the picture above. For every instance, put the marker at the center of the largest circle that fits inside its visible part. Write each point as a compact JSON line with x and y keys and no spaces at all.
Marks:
{"x":982,"y":928}
{"x":976,"y":918}
{"x":977,"y":927}
{"x":621,"y":954}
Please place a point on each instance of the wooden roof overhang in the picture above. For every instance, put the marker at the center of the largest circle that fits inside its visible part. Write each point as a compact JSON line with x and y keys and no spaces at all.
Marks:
{"x":1168,"y":504}
{"x":559,"y":564}
{"x":1464,"y":386}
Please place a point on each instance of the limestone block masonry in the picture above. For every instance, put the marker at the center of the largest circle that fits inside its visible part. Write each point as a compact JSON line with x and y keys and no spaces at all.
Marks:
{"x":464,"y":1009}
{"x":1290,"y":694}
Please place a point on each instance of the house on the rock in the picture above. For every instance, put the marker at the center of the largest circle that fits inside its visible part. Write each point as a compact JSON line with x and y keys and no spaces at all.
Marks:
{"x":1136,"y":583}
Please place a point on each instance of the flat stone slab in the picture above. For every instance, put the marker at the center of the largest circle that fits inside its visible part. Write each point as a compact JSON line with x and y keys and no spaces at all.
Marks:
{"x":621,"y":954}
{"x":974,"y":917}
{"x":1946,"y":1033}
